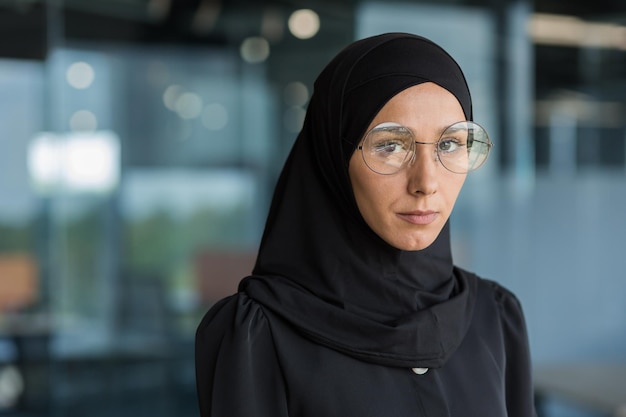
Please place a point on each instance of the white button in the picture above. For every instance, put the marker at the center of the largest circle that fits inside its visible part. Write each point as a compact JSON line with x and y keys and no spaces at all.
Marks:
{"x":419,"y":371}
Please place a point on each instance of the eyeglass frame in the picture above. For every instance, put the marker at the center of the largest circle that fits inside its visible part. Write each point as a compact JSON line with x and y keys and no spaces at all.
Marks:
{"x":409,"y":161}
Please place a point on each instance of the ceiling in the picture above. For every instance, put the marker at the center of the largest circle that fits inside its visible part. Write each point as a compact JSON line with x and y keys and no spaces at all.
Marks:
{"x":28,"y":26}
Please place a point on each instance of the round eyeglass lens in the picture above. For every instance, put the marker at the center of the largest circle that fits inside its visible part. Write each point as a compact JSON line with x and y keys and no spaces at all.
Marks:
{"x":463,"y":147}
{"x":387,"y":148}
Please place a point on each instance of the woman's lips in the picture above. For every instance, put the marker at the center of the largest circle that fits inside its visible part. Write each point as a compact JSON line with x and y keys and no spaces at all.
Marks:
{"x":419,"y":217}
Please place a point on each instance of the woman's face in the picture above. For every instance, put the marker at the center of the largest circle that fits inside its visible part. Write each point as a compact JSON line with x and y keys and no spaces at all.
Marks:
{"x":408,"y":209}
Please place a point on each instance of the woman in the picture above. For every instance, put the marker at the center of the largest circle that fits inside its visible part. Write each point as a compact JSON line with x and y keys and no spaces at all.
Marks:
{"x":354,"y":307}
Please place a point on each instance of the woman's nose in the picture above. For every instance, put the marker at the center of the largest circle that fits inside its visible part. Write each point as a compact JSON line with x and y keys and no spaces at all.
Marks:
{"x":424,"y":170}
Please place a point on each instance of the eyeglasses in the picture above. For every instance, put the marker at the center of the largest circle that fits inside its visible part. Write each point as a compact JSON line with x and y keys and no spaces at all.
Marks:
{"x":389,"y":147}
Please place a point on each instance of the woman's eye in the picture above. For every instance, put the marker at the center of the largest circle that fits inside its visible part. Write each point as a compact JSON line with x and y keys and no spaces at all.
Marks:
{"x":449,"y":145}
{"x":389,"y":147}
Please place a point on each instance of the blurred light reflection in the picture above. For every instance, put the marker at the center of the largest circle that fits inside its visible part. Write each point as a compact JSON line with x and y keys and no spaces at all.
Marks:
{"x":272,"y":25}
{"x":170,"y":96}
{"x":553,"y":29}
{"x":304,"y":23}
{"x":296,"y":94}
{"x":255,"y":49}
{"x":83,"y":120}
{"x":188,"y":105}
{"x":74,"y":162}
{"x":80,"y":75}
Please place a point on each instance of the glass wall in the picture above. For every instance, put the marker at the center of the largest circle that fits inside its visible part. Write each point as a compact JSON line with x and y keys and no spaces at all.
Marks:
{"x":140,"y":142}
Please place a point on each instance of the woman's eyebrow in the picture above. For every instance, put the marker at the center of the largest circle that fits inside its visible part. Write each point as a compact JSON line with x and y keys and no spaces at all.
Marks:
{"x":441,"y":130}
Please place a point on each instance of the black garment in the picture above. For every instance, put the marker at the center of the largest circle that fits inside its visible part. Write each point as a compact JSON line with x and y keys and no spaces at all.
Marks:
{"x":252,"y":363}
{"x":333,"y":318}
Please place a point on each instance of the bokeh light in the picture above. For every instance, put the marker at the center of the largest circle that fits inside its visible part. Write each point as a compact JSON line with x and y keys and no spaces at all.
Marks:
{"x":255,"y":49}
{"x":296,"y":94}
{"x":188,"y":105}
{"x":83,"y":121}
{"x":80,"y":75}
{"x":170,"y":96}
{"x":304,"y":23}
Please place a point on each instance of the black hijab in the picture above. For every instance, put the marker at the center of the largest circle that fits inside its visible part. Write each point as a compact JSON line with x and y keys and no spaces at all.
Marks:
{"x":320,"y":267}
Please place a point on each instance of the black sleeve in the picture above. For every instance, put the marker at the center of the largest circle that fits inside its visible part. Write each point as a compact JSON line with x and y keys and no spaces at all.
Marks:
{"x":237,"y":371}
{"x":518,"y":369}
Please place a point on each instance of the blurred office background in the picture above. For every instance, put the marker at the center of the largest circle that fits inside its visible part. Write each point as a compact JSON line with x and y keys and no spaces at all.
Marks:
{"x":140,"y":141}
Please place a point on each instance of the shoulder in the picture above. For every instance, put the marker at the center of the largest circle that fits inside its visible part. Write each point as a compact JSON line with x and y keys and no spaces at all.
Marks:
{"x":506,"y":299}
{"x":490,"y":289}
{"x":499,"y":292}
{"x":237,"y":369}
{"x":493,"y":297}
{"x":234,"y":314}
